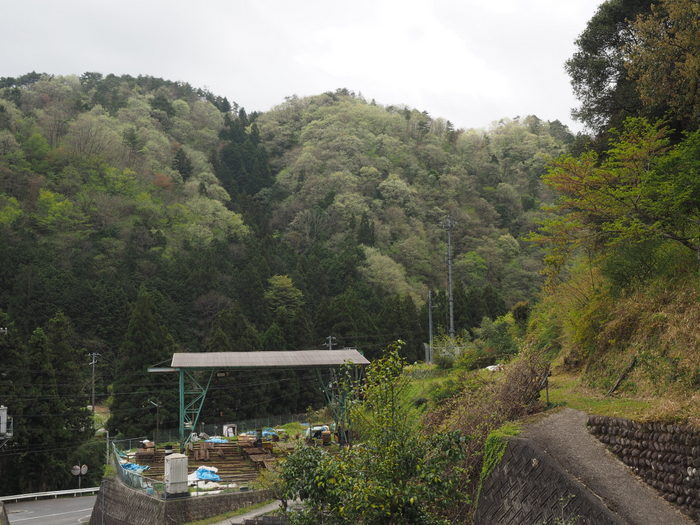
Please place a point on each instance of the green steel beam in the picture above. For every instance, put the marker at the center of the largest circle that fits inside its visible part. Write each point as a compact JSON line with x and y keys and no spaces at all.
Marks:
{"x":192,"y":396}
{"x":182,"y":409}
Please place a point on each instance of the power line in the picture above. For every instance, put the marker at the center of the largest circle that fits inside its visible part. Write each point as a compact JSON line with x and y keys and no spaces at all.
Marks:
{"x":27,"y":450}
{"x":159,"y":391}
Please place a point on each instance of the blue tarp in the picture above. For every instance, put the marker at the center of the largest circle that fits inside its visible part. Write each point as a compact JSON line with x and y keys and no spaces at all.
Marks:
{"x":217,"y":440}
{"x":135,"y":467}
{"x":268,"y":432}
{"x":206,"y":474}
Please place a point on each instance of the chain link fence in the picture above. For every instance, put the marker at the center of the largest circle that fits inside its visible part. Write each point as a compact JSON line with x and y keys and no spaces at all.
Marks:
{"x":172,"y":435}
{"x":136,"y":480}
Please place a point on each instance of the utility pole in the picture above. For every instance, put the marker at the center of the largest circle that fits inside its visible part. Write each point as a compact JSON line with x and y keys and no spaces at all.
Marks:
{"x":94,"y":356}
{"x":449,"y":225}
{"x":157,"y":405}
{"x":330,"y":341}
{"x":430,"y":326}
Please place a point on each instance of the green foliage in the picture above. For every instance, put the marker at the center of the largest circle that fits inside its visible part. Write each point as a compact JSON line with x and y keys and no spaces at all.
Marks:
{"x":493,"y":340}
{"x":282,"y":297}
{"x":43,"y":383}
{"x":544,"y":328}
{"x":146,"y":343}
{"x":642,"y":191}
{"x":597,"y":68}
{"x":521,"y":314}
{"x":662,"y":60}
{"x":443,"y":391}
{"x":182,"y":164}
{"x":447,"y":349}
{"x":494,"y":447}
{"x":10,"y":210}
{"x":393,"y":476}
{"x":497,"y":338}
{"x":397,"y":174}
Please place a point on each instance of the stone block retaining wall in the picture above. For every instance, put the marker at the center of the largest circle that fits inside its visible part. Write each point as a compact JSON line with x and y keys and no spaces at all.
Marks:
{"x":122,"y":505}
{"x":664,"y":455}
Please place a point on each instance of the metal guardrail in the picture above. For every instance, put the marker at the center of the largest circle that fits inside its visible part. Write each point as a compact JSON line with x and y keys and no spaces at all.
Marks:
{"x":51,"y":494}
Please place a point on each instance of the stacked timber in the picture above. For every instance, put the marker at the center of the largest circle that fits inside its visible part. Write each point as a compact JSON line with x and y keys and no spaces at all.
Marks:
{"x":232,"y":464}
{"x":664,"y":455}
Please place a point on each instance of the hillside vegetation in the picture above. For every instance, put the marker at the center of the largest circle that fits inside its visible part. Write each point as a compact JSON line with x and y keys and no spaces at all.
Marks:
{"x":616,"y":320}
{"x":142,"y":216}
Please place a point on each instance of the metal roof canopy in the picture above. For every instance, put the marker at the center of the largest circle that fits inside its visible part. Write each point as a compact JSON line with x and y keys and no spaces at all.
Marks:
{"x":186,"y":364}
{"x":273,"y":359}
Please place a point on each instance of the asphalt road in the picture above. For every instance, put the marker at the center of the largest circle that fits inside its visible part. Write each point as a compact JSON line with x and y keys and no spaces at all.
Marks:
{"x":62,"y":511}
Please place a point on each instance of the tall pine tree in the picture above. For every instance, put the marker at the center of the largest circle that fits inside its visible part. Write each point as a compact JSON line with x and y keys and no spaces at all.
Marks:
{"x":146,"y":343}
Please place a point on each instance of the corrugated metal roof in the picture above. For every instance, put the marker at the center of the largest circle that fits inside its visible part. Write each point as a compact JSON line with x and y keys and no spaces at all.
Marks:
{"x":273,"y":359}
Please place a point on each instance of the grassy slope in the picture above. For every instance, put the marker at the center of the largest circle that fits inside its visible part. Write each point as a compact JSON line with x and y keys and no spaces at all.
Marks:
{"x":593,"y":334}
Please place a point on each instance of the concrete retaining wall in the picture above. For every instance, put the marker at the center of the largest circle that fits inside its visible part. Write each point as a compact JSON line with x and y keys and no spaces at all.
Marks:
{"x":529,"y":488}
{"x":666,"y":456}
{"x":125,"y":506}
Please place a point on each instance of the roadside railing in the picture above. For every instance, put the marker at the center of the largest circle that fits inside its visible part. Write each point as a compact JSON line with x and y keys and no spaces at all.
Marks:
{"x":51,"y":494}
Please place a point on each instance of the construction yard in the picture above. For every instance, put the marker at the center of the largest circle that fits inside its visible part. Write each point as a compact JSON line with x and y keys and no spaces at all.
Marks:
{"x":236,"y":463}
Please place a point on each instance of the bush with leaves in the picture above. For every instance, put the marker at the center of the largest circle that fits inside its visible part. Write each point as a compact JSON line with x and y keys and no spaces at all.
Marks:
{"x":497,"y":338}
{"x":481,"y":406}
{"x":395,"y":475}
{"x":447,"y":350}
{"x":643,"y":190}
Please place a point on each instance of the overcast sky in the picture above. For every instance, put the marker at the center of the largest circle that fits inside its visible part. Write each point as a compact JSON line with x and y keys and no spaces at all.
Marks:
{"x":469,"y":61}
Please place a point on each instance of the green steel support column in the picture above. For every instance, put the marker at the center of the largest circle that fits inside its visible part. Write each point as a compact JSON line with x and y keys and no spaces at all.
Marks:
{"x":182,"y":409}
{"x":199,"y":395}
{"x":192,"y":398}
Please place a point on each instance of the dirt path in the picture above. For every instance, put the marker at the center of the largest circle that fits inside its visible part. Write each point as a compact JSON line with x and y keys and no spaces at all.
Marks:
{"x":564,"y":436}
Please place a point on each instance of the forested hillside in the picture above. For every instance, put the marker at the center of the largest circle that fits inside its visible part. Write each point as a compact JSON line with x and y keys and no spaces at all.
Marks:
{"x":623,"y":239}
{"x":615,"y":327}
{"x":141,"y":216}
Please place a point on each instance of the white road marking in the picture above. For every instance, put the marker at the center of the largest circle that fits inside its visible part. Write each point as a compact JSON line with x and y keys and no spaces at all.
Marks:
{"x":50,"y":515}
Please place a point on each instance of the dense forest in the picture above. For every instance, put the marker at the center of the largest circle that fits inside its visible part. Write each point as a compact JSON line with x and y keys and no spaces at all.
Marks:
{"x":141,"y":216}
{"x":616,"y":319}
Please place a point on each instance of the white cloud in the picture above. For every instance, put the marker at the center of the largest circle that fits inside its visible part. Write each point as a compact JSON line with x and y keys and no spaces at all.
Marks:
{"x":404,"y":48}
{"x":471,"y":61}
